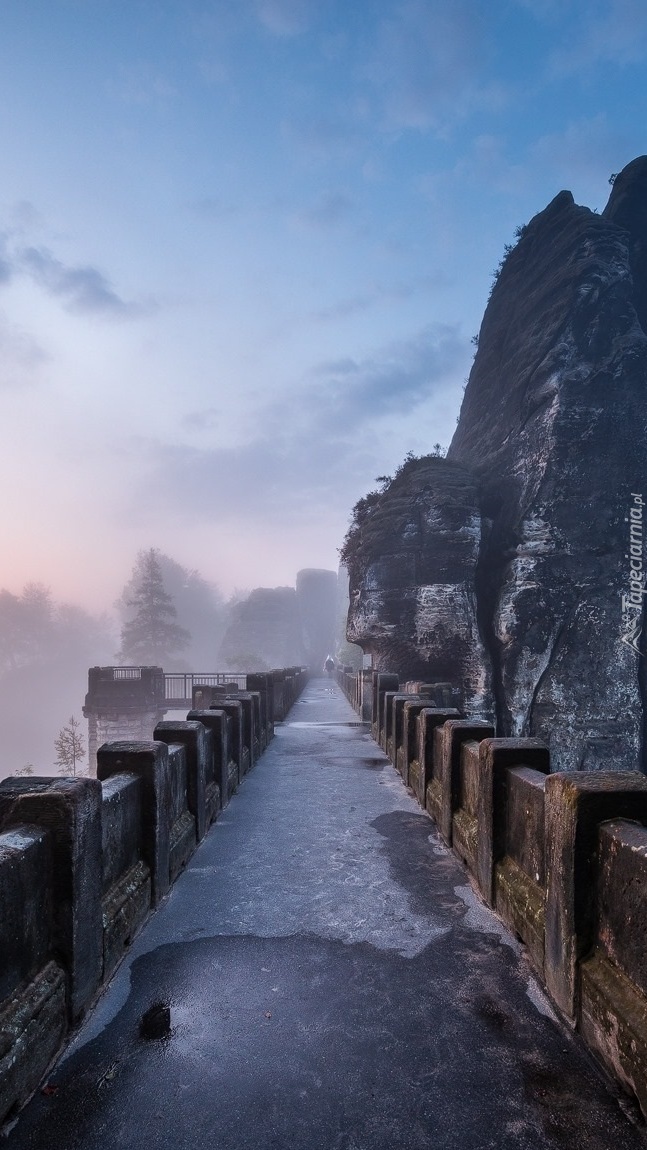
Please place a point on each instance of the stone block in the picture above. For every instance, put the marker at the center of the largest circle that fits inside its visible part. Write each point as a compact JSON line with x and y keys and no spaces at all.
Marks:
{"x":249,"y":744}
{"x":520,"y":876}
{"x":613,"y":981}
{"x":409,"y":748}
{"x":622,"y":897}
{"x":124,"y":908}
{"x":150,"y":762}
{"x":448,"y":741}
{"x":183,"y":839}
{"x":126,"y":877}
{"x":261,"y":683}
{"x":421,"y":768}
{"x":386,"y":712}
{"x":495,"y":757}
{"x":233,"y":708}
{"x":613,"y":1022}
{"x":215,"y":721}
{"x":70,"y":809}
{"x":464,"y":819}
{"x":381,"y":682}
{"x":121,"y":826}
{"x":197,"y":747}
{"x":394,"y":723}
{"x":25,"y":942}
{"x":576,"y":804}
{"x":33,"y":1024}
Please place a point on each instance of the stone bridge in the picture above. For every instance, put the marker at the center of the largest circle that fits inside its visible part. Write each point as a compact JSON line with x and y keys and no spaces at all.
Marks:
{"x":400,"y":931}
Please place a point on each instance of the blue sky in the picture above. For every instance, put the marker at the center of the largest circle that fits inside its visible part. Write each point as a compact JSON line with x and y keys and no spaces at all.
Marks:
{"x":244,"y":247}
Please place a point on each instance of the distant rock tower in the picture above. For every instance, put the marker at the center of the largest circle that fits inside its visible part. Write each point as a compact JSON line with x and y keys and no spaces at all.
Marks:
{"x":317,"y":599}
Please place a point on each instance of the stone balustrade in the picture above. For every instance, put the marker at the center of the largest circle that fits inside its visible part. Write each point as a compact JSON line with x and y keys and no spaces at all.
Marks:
{"x":561,"y":857}
{"x":84,"y":861}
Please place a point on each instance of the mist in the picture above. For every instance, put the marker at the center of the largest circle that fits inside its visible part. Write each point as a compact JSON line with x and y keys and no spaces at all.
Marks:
{"x":45,"y":651}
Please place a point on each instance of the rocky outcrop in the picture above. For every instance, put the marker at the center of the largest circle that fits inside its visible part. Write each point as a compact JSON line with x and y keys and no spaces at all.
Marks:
{"x":413,"y":600}
{"x":283,"y":627}
{"x":553,"y":430}
{"x":316,"y":598}
{"x":265,"y":632}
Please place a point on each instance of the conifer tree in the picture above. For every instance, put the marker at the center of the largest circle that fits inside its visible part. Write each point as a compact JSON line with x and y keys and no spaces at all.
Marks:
{"x":151,"y":636}
{"x":70,"y":748}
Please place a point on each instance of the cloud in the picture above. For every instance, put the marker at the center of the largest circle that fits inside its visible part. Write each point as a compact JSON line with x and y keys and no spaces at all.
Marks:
{"x":587,"y":150}
{"x":613,"y":32}
{"x":400,"y":376}
{"x":318,"y":447}
{"x":20,"y":356}
{"x":285,"y":17}
{"x":214,"y":208}
{"x":426,"y":65}
{"x":333,"y":136}
{"x":329,"y":209}
{"x":142,"y":84}
{"x":83,"y":289}
{"x":379,"y":294}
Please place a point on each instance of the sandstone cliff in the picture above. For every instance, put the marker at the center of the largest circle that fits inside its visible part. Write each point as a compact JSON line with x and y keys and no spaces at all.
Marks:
{"x":413,"y":602}
{"x":553,"y":431}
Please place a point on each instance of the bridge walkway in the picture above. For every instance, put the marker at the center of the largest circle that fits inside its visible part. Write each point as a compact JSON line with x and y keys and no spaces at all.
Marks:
{"x":334,"y":984}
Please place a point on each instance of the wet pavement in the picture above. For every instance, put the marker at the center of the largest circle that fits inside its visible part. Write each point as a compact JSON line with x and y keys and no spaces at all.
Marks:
{"x":333,"y":984}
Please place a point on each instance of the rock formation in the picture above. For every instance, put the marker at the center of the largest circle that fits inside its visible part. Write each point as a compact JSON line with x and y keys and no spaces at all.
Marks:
{"x":316,"y":598}
{"x":413,"y":600}
{"x":265,"y":632}
{"x":283,"y":627}
{"x":553,"y":430}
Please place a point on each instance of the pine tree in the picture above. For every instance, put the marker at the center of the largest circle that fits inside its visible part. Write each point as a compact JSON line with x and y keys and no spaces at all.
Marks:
{"x":70,"y":748}
{"x":150,"y":636}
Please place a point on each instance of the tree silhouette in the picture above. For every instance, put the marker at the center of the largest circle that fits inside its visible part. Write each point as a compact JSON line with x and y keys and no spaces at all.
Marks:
{"x":151,"y":635}
{"x":70,"y":748}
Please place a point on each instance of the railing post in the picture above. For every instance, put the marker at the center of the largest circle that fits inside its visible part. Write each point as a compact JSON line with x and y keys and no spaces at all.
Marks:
{"x":71,"y":810}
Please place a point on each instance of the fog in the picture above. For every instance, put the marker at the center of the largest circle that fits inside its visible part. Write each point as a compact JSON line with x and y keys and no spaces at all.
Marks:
{"x":244,"y":249}
{"x":46,"y":647}
{"x":45,"y":651}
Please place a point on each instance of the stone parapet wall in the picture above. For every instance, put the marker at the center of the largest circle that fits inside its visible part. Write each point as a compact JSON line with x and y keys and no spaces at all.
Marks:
{"x":561,"y":857}
{"x":84,"y":861}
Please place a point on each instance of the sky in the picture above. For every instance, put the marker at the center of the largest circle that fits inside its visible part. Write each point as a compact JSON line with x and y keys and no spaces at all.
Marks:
{"x":245,"y":246}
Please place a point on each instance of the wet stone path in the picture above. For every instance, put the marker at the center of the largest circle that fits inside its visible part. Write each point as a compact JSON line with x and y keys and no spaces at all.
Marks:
{"x":334,"y":984}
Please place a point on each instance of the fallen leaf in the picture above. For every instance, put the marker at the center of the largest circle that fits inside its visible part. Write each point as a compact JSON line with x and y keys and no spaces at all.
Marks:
{"x":49,"y":1090}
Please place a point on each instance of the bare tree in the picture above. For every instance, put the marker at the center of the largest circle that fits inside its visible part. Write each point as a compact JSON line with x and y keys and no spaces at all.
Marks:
{"x":70,"y":748}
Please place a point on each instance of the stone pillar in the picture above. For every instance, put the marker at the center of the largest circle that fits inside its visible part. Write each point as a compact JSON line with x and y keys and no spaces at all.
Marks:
{"x":123,"y":703}
{"x":151,"y":763}
{"x":70,"y":809}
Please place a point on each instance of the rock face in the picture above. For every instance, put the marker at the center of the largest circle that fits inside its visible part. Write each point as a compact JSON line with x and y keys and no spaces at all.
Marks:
{"x":265,"y":632}
{"x":316,"y":597}
{"x":413,"y":599}
{"x":283,"y":627}
{"x":553,"y":429}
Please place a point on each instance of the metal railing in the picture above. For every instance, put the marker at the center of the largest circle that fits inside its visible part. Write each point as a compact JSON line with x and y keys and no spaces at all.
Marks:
{"x":178,"y":687}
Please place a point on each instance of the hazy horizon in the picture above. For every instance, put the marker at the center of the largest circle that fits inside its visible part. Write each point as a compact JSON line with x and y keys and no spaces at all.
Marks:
{"x":244,"y":249}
